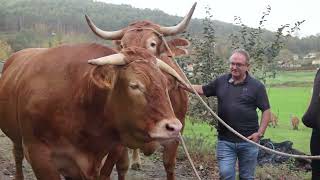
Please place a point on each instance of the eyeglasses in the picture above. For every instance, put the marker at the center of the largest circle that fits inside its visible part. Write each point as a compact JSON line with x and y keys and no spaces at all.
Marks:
{"x":238,"y":65}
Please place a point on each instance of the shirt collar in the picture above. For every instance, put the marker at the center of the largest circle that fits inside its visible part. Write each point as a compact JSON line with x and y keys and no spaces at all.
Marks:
{"x":230,"y":80}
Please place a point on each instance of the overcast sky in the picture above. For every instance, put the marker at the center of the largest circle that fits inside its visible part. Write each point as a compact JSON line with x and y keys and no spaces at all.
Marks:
{"x":250,"y":11}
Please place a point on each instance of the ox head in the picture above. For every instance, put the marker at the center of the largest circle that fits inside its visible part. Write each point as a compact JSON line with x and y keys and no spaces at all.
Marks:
{"x":138,"y":100}
{"x":147,"y":35}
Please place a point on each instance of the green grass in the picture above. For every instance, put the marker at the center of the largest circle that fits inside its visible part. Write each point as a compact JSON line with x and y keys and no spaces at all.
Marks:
{"x":292,"y":78}
{"x":285,"y":99}
{"x":202,"y":130}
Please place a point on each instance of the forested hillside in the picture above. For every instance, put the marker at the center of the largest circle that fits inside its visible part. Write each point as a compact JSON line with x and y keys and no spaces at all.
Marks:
{"x":34,"y":23}
{"x":27,"y":23}
{"x":61,"y":15}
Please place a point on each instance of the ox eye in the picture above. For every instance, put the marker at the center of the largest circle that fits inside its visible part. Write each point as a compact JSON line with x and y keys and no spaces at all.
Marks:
{"x":134,"y":85}
{"x":153,"y":44}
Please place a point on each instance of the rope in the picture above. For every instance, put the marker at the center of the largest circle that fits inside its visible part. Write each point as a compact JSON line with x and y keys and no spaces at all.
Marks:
{"x":189,"y":158}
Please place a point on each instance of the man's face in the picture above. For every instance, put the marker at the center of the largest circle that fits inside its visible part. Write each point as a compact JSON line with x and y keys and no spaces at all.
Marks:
{"x":238,"y":65}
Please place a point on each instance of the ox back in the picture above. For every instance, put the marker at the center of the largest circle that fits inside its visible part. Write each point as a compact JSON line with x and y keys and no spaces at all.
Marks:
{"x":31,"y":71}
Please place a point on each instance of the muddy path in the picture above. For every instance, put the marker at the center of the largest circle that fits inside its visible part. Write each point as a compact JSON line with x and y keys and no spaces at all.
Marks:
{"x":152,"y":167}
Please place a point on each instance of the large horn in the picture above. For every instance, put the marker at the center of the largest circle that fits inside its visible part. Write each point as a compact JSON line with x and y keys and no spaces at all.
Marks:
{"x":114,"y":59}
{"x":108,"y":35}
{"x":170,"y":31}
{"x":165,"y":67}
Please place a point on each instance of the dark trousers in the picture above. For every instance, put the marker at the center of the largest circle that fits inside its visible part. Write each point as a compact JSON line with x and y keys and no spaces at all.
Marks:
{"x":315,"y":150}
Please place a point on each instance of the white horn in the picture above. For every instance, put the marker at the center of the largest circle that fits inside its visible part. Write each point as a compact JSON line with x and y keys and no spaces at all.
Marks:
{"x":165,"y":67}
{"x":114,"y":59}
{"x":172,"y":30}
{"x":108,"y":35}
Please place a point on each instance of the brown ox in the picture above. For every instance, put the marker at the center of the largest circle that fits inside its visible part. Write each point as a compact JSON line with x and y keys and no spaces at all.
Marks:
{"x":148,"y":35}
{"x":294,"y":122}
{"x":66,"y":115}
{"x":273,"y":120}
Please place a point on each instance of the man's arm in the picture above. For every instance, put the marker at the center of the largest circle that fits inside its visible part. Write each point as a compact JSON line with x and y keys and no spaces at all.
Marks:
{"x":265,"y":119}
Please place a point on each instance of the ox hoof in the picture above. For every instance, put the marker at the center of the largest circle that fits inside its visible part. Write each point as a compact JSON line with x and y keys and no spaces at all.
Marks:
{"x":136,"y":166}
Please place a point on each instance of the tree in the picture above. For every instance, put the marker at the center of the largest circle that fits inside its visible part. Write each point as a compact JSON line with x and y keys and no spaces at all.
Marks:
{"x":207,"y":65}
{"x":263,"y":52}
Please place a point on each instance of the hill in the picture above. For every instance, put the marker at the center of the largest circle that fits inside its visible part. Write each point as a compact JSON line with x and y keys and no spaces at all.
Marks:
{"x":25,"y":23}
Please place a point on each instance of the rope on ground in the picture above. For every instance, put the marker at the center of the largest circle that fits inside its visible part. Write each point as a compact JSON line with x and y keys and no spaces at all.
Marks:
{"x":188,"y":155}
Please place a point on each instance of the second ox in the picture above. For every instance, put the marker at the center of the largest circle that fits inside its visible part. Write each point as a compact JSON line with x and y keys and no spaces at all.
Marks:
{"x":148,"y":35}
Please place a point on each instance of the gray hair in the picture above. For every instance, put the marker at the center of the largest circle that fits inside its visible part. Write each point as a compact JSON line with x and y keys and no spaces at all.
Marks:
{"x":243,"y":52}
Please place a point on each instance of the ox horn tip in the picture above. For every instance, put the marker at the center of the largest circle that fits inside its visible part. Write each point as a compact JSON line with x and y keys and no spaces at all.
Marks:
{"x":194,"y":5}
{"x":92,"y":61}
{"x":87,"y":19}
{"x":193,"y":8}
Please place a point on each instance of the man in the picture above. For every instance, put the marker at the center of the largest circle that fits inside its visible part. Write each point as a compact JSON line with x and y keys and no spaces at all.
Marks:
{"x":238,"y":95}
{"x":311,"y":119}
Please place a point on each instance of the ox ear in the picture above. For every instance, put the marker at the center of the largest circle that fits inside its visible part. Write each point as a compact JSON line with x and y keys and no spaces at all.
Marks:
{"x":103,"y":77}
{"x":117,"y":44}
{"x":178,"y":47}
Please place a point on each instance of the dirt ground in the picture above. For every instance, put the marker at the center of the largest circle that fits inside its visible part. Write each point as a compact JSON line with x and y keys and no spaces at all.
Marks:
{"x":152,"y":167}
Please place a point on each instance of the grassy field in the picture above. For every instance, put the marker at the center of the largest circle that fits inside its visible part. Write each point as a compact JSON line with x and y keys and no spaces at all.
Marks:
{"x":292,"y":79}
{"x":287,"y":101}
{"x":289,"y":94}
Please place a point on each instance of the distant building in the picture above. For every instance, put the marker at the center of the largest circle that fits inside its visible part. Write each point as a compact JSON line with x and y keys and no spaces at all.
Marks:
{"x":310,"y":56}
{"x":295,"y":57}
{"x":290,"y":65}
{"x":315,"y":62}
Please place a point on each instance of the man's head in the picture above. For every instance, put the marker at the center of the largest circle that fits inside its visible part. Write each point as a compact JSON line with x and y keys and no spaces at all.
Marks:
{"x":239,"y":63}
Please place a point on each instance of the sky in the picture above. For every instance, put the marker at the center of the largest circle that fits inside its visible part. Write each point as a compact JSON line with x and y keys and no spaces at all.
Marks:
{"x":250,"y":11}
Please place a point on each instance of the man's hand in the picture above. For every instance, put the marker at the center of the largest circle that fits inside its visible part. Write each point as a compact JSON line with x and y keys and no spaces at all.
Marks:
{"x":198,"y":88}
{"x":189,"y":89}
{"x":255,"y":137}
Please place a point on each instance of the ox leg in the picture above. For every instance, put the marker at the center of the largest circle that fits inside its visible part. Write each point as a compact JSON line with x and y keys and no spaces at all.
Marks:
{"x":106,"y":170}
{"x":123,"y":164}
{"x":41,"y":163}
{"x":169,"y":159}
{"x":113,"y":157}
{"x":136,"y":160}
{"x":18,"y":158}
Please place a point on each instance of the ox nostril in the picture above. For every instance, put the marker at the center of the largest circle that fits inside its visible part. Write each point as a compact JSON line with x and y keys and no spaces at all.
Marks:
{"x":167,"y":128}
{"x":170,"y":127}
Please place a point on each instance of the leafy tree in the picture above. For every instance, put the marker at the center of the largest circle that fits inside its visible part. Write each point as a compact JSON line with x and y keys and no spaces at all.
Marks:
{"x":25,"y":39}
{"x":262,"y":52}
{"x":207,"y":65}
{"x":285,"y":56}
